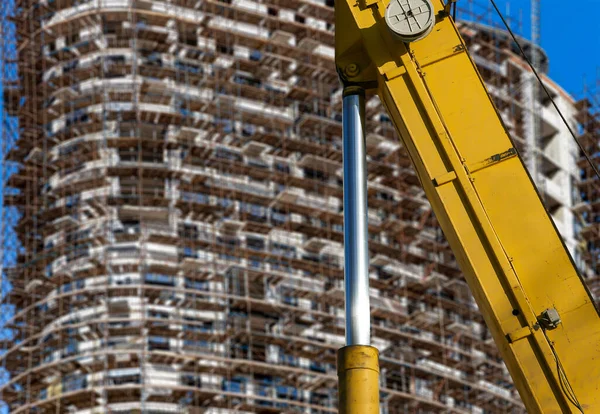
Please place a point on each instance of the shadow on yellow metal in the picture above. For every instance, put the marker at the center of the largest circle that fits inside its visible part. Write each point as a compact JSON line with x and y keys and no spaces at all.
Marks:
{"x":358,"y":376}
{"x":506,"y":244}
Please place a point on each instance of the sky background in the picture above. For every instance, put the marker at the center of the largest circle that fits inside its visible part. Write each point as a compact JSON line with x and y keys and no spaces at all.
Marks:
{"x":569,"y":35}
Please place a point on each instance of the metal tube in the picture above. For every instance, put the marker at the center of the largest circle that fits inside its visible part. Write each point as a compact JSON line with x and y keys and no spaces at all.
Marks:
{"x":356,"y":252}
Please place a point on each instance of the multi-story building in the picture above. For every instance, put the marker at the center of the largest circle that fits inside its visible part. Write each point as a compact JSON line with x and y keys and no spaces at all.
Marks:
{"x":180,"y":229}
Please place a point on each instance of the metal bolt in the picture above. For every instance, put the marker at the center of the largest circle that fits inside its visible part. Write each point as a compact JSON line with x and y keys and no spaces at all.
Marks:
{"x":352,"y":70}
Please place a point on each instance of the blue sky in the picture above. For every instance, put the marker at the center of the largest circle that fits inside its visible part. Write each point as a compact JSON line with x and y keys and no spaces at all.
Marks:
{"x":569,"y":34}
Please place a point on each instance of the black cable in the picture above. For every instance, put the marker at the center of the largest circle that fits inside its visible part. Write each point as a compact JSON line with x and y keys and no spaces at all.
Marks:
{"x":585,"y":154}
{"x":562,"y":376}
{"x":454,"y":12}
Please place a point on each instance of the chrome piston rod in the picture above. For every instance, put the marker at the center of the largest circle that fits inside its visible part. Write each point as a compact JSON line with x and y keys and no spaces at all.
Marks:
{"x":356,"y":252}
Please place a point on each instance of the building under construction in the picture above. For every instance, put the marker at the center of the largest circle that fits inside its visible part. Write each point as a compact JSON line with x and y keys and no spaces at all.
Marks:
{"x":174,"y":202}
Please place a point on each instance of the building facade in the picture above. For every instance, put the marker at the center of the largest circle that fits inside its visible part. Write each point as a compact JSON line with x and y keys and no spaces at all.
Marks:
{"x":180,"y":229}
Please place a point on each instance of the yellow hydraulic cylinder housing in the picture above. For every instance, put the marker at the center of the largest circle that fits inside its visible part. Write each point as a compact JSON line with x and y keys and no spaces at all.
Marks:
{"x":534,"y":302}
{"x":358,"y":377}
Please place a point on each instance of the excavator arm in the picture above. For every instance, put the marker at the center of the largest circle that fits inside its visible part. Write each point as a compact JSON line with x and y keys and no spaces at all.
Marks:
{"x":536,"y":305}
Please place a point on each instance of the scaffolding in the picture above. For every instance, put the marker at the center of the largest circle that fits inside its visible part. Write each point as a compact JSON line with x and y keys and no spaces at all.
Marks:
{"x":178,"y":183}
{"x":588,"y":189}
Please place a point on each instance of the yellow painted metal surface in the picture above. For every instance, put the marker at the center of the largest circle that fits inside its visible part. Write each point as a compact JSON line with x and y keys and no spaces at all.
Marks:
{"x":358,"y":374}
{"x":506,"y":244}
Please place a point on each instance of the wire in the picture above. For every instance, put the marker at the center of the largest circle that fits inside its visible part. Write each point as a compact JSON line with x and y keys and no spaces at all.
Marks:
{"x":562,"y":117}
{"x":562,"y":376}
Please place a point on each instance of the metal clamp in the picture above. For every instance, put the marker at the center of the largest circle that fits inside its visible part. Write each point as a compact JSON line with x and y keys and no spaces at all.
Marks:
{"x":549,"y":319}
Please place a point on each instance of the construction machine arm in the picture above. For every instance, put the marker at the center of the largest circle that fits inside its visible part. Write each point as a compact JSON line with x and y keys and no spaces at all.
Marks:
{"x":534,"y":302}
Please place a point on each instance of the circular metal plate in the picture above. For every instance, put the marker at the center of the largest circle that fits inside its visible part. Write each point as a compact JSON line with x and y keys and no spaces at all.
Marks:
{"x":410,"y":19}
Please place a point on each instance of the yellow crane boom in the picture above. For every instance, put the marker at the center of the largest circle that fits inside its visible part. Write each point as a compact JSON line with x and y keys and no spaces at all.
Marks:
{"x":524,"y":281}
